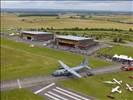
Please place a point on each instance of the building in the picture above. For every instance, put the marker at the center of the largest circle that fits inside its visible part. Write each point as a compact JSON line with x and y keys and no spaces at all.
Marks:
{"x":36,"y":35}
{"x":75,"y":41}
{"x":122,"y":58}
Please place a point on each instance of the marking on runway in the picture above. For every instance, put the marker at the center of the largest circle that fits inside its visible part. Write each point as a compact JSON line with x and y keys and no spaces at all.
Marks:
{"x":46,"y":87}
{"x":72,"y":93}
{"x":54,"y":94}
{"x":66,"y":94}
{"x":19,"y":84}
{"x":52,"y":97}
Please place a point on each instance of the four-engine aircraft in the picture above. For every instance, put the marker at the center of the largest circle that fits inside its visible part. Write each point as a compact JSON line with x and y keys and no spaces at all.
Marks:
{"x":66,"y":70}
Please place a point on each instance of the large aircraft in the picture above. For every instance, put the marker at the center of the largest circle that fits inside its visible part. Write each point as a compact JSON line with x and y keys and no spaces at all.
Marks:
{"x":116,"y":89}
{"x":66,"y":70}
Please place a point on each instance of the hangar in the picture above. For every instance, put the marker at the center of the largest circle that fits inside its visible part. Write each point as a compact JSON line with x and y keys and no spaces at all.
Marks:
{"x":75,"y":41}
{"x":36,"y":35}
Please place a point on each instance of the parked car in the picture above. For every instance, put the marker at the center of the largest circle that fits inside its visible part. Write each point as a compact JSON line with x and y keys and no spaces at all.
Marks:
{"x":127,"y":68}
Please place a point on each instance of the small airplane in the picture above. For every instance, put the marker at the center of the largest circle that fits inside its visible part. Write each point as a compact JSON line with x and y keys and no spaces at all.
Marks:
{"x":129,"y":87}
{"x":31,"y":45}
{"x":116,"y":89}
{"x":115,"y":81}
{"x":12,"y":34}
{"x":66,"y":70}
{"x":118,"y":82}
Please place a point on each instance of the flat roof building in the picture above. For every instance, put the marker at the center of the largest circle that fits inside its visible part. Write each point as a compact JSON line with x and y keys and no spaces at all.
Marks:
{"x":74,"y":41}
{"x":36,"y":35}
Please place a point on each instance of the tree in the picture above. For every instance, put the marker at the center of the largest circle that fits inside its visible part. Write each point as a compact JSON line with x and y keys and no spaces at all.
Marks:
{"x":90,"y":16}
{"x":58,"y":17}
{"x":130,"y":30}
{"x":82,"y":16}
{"x":118,"y":39}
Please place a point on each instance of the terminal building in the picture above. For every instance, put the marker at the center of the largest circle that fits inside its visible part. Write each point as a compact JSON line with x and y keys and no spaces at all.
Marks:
{"x":36,"y":35}
{"x":74,"y":41}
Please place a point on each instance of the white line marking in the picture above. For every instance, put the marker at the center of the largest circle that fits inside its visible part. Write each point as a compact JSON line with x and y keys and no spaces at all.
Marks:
{"x":66,"y":94}
{"x":40,"y":90}
{"x":72,"y":93}
{"x":54,"y":94}
{"x":19,"y":85}
{"x":50,"y":96}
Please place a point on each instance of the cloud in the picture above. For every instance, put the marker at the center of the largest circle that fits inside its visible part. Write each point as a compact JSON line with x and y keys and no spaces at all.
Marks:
{"x":83,"y":5}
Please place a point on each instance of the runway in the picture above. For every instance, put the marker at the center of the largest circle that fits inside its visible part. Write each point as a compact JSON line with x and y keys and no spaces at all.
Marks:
{"x":37,"y":80}
{"x":54,"y":92}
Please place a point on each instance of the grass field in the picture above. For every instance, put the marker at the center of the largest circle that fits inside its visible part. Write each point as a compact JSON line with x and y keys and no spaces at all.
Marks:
{"x":108,"y":35}
{"x":11,"y":21}
{"x":94,"y":86}
{"x":20,"y":60}
{"x":118,"y":18}
{"x":120,"y":50}
{"x":20,"y":94}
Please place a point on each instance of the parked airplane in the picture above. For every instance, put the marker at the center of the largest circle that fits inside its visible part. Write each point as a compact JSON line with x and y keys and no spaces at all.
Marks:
{"x":71,"y":71}
{"x":118,"y":82}
{"x":129,"y":87}
{"x":115,"y":81}
{"x":116,"y":89}
{"x":12,"y":34}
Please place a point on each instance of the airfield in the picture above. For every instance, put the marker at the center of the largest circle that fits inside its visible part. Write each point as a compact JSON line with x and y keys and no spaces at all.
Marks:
{"x":101,"y":68}
{"x":33,"y":66}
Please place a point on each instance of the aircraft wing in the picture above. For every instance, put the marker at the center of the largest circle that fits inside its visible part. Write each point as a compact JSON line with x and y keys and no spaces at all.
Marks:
{"x":69,"y":69}
{"x":63,"y":65}
{"x":75,"y":73}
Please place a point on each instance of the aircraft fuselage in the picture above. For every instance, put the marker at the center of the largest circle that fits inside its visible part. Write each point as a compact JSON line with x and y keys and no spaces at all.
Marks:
{"x":63,"y":72}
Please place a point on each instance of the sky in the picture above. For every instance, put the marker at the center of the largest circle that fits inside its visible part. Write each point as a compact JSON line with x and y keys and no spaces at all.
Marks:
{"x":74,"y":5}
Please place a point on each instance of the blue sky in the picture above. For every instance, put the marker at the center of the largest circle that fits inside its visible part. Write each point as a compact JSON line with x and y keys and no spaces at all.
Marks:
{"x":75,"y":5}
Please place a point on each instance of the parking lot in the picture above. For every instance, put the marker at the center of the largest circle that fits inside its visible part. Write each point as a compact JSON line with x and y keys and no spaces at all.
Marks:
{"x":53,"y":92}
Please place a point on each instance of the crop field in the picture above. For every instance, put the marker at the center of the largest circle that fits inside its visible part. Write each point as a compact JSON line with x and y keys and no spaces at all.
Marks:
{"x":20,"y":94}
{"x":120,"y":50}
{"x":20,"y":60}
{"x":95,"y":87}
{"x":12,"y":21}
{"x":118,"y":18}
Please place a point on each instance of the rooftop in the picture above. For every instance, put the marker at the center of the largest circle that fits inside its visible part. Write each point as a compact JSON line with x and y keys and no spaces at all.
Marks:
{"x":123,"y":57}
{"x":71,"y":37}
{"x":35,"y":32}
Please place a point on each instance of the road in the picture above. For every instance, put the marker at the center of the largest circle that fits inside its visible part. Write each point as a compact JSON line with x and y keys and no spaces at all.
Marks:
{"x":37,"y":80}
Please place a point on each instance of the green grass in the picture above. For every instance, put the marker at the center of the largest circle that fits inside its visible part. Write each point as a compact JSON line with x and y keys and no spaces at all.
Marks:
{"x":94,"y":86}
{"x":20,"y":94}
{"x":120,"y":50}
{"x":18,"y":60}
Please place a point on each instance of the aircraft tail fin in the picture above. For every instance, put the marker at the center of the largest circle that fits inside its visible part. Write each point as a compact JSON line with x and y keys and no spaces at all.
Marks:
{"x":85,"y":63}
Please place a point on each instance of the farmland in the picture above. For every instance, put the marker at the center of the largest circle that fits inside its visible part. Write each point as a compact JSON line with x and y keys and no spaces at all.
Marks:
{"x":94,"y":86}
{"x":12,"y":21}
{"x":19,"y":60}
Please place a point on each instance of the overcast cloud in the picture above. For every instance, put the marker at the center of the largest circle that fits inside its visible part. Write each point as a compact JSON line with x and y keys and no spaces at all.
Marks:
{"x":75,"y":5}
